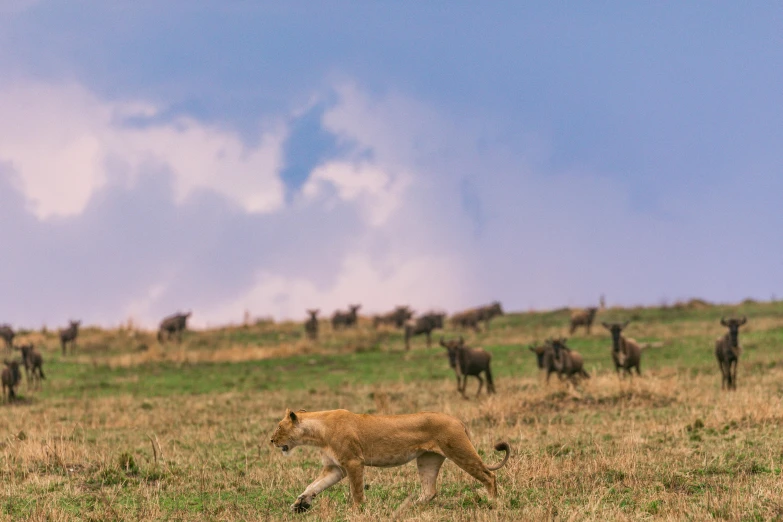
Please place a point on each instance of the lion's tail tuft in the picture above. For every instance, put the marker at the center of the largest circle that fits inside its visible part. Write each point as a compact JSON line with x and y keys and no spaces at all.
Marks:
{"x":501,"y":446}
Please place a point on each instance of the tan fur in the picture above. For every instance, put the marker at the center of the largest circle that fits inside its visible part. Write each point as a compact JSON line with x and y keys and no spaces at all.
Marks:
{"x":350,"y":441}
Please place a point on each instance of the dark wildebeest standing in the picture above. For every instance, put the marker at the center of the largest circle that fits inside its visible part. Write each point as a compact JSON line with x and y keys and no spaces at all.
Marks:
{"x":347,"y":319}
{"x":173,"y":325}
{"x":7,"y":333}
{"x":311,"y":326}
{"x":555,"y":357}
{"x":583,"y":318}
{"x":467,"y":361}
{"x":626,"y":352}
{"x":396,"y":318}
{"x":727,"y":351}
{"x":10,"y":377}
{"x":488,"y":312}
{"x":69,"y":335}
{"x":423,"y":325}
{"x":33,"y":364}
{"x":471,"y":318}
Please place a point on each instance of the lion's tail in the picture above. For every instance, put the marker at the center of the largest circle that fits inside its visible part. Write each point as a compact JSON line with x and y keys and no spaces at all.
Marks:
{"x":501,"y":446}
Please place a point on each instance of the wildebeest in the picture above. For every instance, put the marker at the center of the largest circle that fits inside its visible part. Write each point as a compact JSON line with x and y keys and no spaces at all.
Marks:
{"x":626,"y":352}
{"x":467,"y":361}
{"x":582,"y":318}
{"x":424,"y":324}
{"x":10,"y":377}
{"x":69,"y":335}
{"x":33,"y":364}
{"x":173,"y":325}
{"x":396,"y":317}
{"x":347,"y":319}
{"x":311,"y":325}
{"x":471,"y":318}
{"x":555,"y":357}
{"x":7,"y":333}
{"x":728,"y":350}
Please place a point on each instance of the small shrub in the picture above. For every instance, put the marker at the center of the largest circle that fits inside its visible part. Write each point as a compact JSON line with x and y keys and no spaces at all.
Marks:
{"x":127,"y":463}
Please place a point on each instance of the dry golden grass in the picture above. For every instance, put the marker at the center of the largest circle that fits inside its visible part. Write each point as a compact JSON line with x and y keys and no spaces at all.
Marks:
{"x":668,"y":446}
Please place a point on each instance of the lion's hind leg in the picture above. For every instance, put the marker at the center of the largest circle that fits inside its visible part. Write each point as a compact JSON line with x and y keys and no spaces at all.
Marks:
{"x":465,"y":456}
{"x":329,"y":476}
{"x":429,"y":466}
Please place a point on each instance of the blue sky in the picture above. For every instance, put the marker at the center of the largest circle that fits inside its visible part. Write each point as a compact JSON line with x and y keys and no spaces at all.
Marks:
{"x":232,"y":156}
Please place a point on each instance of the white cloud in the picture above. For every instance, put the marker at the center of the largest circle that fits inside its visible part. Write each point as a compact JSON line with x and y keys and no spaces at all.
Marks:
{"x":59,"y":140}
{"x":378,"y":192}
{"x":423,"y":282}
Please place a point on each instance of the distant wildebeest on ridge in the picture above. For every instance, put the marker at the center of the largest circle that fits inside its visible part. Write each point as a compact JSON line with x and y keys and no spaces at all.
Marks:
{"x":555,"y":357}
{"x":626,"y":352}
{"x":311,"y":325}
{"x":173,"y":326}
{"x":396,"y":317}
{"x":347,"y":319}
{"x":472,"y":317}
{"x":424,"y":324}
{"x":467,"y":361}
{"x":33,"y":364}
{"x":10,"y":377}
{"x":582,"y":318}
{"x":7,"y":333}
{"x":69,"y":335}
{"x":728,"y":350}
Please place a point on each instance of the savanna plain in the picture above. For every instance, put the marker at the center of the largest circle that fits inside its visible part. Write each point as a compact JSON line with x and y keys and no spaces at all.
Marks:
{"x":128,"y":429}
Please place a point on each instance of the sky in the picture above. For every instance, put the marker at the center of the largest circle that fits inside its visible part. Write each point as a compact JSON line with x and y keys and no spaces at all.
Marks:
{"x":271,"y":157}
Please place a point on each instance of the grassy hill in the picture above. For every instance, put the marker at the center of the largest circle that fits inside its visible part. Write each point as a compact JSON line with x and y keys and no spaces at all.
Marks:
{"x":128,"y":429}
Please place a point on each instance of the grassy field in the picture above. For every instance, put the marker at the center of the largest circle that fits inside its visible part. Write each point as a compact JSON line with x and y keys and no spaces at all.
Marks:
{"x":128,"y":430}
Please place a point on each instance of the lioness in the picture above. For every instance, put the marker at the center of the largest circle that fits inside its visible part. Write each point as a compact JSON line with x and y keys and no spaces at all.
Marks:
{"x":349,"y":442}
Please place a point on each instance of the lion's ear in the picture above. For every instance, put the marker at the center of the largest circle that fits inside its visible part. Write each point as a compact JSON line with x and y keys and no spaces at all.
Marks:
{"x":293,"y":417}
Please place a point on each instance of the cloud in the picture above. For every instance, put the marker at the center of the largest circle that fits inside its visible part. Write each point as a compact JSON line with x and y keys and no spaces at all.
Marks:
{"x":421,"y":280}
{"x":378,"y":192}
{"x":61,"y":141}
{"x":127,"y":213}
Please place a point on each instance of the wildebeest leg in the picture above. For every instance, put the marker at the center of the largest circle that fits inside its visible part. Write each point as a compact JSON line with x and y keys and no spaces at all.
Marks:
{"x":733,"y":370}
{"x":638,"y":369}
{"x":429,"y":466}
{"x":490,"y":383}
{"x":481,"y":384}
{"x":463,"y":386}
{"x":329,"y":476}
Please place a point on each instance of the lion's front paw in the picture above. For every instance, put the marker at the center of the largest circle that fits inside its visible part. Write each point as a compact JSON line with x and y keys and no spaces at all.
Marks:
{"x":301,"y":505}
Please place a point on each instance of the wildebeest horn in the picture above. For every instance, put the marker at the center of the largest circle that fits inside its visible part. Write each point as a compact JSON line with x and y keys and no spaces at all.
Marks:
{"x":744,"y":320}
{"x":723,"y":321}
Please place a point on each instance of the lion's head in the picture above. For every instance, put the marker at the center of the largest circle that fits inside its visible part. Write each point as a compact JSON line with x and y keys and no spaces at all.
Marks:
{"x":288,"y":433}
